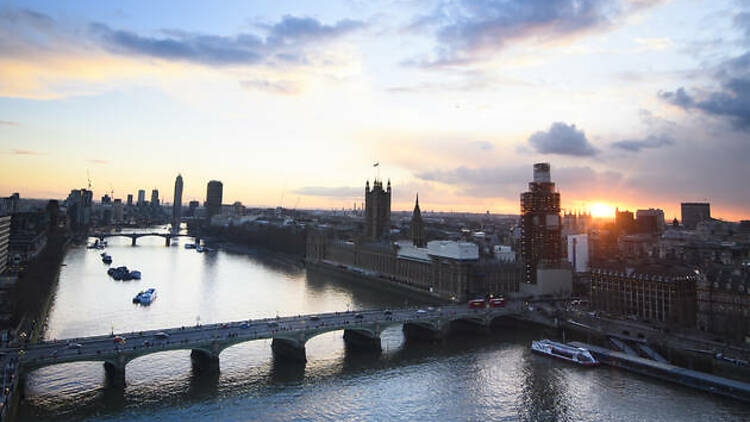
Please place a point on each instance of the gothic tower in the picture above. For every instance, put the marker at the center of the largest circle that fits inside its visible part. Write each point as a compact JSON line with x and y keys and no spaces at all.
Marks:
{"x":377,"y":210}
{"x":417,"y":226}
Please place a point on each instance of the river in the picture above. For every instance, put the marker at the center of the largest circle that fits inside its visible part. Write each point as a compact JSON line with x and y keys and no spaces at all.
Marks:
{"x":464,"y":378}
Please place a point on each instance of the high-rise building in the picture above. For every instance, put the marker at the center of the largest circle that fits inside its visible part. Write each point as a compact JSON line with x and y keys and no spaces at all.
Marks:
{"x":177,"y":203}
{"x":130,"y":199}
{"x":695,"y":212}
{"x":4,"y":241}
{"x":117,"y":212}
{"x":624,"y":221}
{"x":155,"y":198}
{"x":214,"y":197}
{"x":141,"y":197}
{"x":417,"y":226}
{"x":192,"y":206}
{"x":578,"y":252}
{"x":106,"y":199}
{"x":541,"y":239}
{"x":79,"y":207}
{"x":377,"y":210}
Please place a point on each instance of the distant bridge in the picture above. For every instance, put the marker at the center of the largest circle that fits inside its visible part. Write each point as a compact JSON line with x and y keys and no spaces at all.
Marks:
{"x":289,"y":334}
{"x":135,"y":235}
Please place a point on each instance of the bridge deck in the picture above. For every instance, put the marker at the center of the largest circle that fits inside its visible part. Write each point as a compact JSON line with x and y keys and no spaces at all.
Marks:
{"x":213,"y":338}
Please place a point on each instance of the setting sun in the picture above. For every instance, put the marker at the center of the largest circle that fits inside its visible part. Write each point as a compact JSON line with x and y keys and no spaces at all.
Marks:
{"x":601,"y":210}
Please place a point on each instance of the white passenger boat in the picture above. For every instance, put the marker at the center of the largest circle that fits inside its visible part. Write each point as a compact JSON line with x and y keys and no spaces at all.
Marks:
{"x":562,"y":351}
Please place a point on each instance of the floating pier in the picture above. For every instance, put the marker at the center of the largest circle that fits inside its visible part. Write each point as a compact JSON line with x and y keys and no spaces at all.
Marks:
{"x":664,"y":371}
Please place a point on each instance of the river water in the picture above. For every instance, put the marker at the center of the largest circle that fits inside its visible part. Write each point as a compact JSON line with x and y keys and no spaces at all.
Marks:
{"x":464,"y":378}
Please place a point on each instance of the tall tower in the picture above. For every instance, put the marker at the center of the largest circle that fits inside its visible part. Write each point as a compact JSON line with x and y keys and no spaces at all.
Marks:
{"x":177,"y":203}
{"x":417,"y":226}
{"x":155,"y":198}
{"x":377,"y":210}
{"x":214,"y":194}
{"x":541,"y":240}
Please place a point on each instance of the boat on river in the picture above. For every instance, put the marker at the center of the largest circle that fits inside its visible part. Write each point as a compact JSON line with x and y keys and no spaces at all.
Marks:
{"x":106,"y":259}
{"x":577,"y":355}
{"x":145,"y":297}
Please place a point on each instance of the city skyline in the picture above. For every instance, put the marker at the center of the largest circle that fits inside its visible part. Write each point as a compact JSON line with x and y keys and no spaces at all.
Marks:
{"x":636,"y":104}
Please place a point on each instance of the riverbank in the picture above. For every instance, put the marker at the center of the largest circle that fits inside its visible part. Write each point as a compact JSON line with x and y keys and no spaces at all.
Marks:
{"x":32,"y":295}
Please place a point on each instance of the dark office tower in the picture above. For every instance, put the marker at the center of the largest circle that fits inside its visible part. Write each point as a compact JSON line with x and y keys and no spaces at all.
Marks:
{"x":214,"y":195}
{"x":377,"y":210}
{"x":541,"y":241}
{"x":141,"y":197}
{"x":192,"y":206}
{"x":155,"y":198}
{"x":177,"y":203}
{"x":624,"y":222}
{"x":695,"y":212}
{"x":417,"y":226}
{"x":130,"y":199}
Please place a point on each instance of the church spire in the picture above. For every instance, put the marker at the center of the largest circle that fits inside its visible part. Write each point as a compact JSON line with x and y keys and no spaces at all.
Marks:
{"x":417,"y":226}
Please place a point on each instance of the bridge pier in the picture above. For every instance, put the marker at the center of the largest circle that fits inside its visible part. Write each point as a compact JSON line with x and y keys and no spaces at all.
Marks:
{"x":362,"y":340}
{"x":204,"y":361}
{"x":115,"y":374}
{"x":168,"y":241}
{"x":424,"y":332}
{"x":285,"y":349}
{"x":470,"y":326}
{"x":132,"y":241}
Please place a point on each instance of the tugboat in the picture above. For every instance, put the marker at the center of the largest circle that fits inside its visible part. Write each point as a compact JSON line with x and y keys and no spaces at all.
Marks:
{"x":106,"y":259}
{"x":562,"y":351}
{"x":135,"y":274}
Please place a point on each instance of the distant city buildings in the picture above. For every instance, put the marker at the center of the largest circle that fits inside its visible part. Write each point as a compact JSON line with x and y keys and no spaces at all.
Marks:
{"x":693,"y":213}
{"x":141,"y":197}
{"x":177,"y":203}
{"x":192,"y":207}
{"x":214,"y":197}
{"x":130,"y":200}
{"x":578,"y":252}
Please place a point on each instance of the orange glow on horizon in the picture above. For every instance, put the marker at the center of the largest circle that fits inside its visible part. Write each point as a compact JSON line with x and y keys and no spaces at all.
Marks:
{"x":602,"y":210}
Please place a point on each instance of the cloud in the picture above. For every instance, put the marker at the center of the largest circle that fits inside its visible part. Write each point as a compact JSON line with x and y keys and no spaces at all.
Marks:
{"x":471,"y":30}
{"x":291,"y":33}
{"x":651,"y":141}
{"x":27,"y":152}
{"x":9,"y":123}
{"x":331,"y":192}
{"x":730,"y":99}
{"x":562,"y":139}
{"x":508,"y":182}
{"x":274,"y":87}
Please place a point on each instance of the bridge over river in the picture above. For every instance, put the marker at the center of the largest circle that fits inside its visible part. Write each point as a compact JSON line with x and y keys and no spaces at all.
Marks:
{"x":362,"y":329}
{"x":133,"y":236}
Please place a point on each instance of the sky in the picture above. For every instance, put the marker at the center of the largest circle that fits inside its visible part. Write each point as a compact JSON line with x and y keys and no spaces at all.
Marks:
{"x":635,"y":103}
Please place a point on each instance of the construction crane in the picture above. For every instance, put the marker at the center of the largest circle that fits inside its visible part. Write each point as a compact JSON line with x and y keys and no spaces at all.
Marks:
{"x":88,"y":177}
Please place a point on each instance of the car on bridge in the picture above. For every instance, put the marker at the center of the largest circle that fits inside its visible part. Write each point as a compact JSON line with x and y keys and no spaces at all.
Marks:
{"x":387,"y":312}
{"x":161,"y":335}
{"x":497,"y":302}
{"x":119,"y":339}
{"x":75,"y":346}
{"x":314,"y":318}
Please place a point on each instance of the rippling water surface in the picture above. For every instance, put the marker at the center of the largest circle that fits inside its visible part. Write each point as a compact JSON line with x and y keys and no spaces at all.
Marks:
{"x":465,"y":378}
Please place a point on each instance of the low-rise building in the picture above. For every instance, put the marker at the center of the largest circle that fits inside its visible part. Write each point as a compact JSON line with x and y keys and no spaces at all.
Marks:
{"x":723,"y":294}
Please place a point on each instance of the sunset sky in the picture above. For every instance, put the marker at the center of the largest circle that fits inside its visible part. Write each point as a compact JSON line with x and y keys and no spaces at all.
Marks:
{"x":635,"y":103}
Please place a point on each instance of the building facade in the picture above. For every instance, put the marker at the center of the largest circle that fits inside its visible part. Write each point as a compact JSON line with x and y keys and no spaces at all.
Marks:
{"x":214,"y":197}
{"x":4,"y":242}
{"x":667,"y":298}
{"x":723,"y":294}
{"x":541,"y":238}
{"x":141,"y":197}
